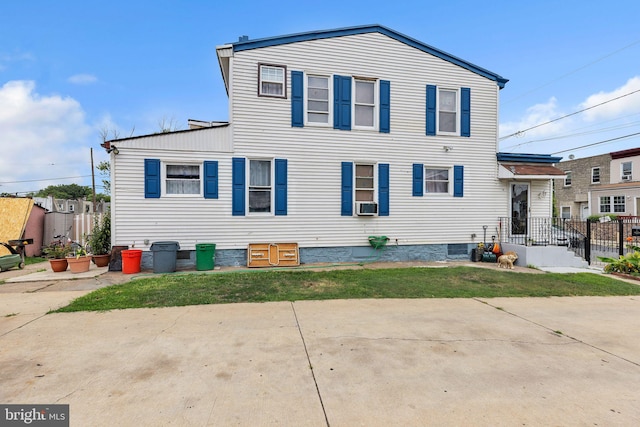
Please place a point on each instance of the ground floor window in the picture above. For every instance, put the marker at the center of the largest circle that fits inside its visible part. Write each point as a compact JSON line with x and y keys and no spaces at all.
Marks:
{"x":260,"y":186}
{"x":183,"y":179}
{"x":610,"y":204}
{"x":365,"y":189}
{"x":436,"y":180}
{"x":565,"y":212}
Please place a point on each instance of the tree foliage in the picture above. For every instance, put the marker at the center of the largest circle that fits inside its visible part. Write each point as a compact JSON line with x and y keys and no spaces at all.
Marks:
{"x":65,"y":191}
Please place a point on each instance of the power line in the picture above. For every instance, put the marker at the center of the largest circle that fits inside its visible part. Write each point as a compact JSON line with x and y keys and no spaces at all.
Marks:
{"x":573,"y":72}
{"x":568,"y":115}
{"x":598,"y":143}
{"x":45,"y":179}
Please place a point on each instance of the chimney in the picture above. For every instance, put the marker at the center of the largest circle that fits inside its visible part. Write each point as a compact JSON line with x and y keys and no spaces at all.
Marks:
{"x":243,"y":38}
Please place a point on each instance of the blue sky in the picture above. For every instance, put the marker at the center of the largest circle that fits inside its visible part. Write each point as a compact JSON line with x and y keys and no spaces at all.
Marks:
{"x":71,"y":68}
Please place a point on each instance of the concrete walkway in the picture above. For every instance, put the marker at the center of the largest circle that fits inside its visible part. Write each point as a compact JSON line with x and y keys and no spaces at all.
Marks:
{"x":481,"y":362}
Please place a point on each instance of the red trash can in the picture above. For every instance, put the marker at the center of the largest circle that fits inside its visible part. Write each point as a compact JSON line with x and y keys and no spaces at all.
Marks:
{"x":131,"y":259}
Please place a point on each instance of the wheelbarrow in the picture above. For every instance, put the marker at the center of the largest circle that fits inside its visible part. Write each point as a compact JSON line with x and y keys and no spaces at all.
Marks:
{"x":16,"y":256}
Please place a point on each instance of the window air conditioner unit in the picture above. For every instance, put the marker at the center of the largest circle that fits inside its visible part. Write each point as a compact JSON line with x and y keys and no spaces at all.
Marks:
{"x":626,"y":177}
{"x":366,"y":208}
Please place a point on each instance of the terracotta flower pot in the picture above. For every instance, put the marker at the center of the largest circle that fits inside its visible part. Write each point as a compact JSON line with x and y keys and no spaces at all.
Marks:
{"x":59,"y":265}
{"x":79,"y":264}
{"x":101,"y":260}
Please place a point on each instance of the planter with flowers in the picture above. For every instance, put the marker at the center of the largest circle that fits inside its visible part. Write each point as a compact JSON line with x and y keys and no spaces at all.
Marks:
{"x":100,"y":241}
{"x":80,"y":262}
{"x":57,"y":255}
{"x":625,"y":265}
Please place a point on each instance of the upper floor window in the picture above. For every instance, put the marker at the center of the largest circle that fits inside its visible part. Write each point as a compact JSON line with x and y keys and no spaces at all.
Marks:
{"x":567,"y":179}
{"x":182,"y":179}
{"x":447,"y":111}
{"x":595,"y":175}
{"x":436,"y":180}
{"x":626,"y":171}
{"x":259,"y":186}
{"x":318,"y":106}
{"x":272,"y":80}
{"x":364,"y":105}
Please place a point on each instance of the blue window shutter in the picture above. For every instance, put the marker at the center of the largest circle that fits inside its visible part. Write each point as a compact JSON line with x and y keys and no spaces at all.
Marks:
{"x":385,"y":106}
{"x":418,"y":179}
{"x":297,"y":99}
{"x":342,"y":102}
{"x":347,"y":189}
{"x":458,"y":181}
{"x":281,"y":186}
{"x":465,"y":111}
{"x":151,"y":178}
{"x":383,"y":189}
{"x":238,"y":186}
{"x":431,"y":110}
{"x":210,"y":179}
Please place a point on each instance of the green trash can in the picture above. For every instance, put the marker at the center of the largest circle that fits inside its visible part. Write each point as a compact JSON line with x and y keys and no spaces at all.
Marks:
{"x":205,"y":256}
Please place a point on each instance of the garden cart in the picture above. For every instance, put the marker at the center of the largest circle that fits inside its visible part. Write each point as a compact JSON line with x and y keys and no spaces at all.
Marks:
{"x":16,"y":256}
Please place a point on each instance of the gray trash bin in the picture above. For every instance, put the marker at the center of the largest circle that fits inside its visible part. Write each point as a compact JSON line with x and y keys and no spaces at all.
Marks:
{"x":165,"y":255}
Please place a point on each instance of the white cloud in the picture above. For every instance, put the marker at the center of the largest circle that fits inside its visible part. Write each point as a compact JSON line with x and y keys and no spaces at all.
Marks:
{"x":7,"y":58}
{"x":82,"y":79}
{"x":41,"y":137}
{"x":623,"y":106}
{"x":536,"y":115}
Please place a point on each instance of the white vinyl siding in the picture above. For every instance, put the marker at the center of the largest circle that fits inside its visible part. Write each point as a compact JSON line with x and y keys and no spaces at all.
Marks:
{"x":262,"y":129}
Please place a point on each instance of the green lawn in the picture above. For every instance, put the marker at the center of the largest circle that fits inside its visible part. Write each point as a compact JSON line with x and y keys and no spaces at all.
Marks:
{"x":262,"y":286}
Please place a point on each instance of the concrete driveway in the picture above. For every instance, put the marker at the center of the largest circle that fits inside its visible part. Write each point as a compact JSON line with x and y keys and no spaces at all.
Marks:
{"x":504,"y":361}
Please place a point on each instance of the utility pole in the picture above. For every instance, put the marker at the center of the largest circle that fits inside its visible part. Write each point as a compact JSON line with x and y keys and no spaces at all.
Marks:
{"x":93,"y":182}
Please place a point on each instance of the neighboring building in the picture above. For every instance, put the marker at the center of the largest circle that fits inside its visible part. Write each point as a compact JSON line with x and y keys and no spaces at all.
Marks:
{"x":79,"y":206}
{"x":582,"y":176}
{"x":333,"y":136}
{"x":601,"y":185}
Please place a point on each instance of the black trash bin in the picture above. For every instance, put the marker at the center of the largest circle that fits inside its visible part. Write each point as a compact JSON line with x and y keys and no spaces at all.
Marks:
{"x":165,"y":255}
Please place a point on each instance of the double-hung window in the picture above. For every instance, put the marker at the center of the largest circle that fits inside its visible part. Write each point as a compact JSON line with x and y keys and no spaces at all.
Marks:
{"x":605,"y":204}
{"x":595,"y":175}
{"x":447,"y":111}
{"x":436,"y":180}
{"x":318,"y":105}
{"x":272,"y":80}
{"x":626,"y":171}
{"x":567,"y":178}
{"x":365,"y":183}
{"x":364,"y":106}
{"x":619,"y":204}
{"x":182,"y":179}
{"x":260,"y":186}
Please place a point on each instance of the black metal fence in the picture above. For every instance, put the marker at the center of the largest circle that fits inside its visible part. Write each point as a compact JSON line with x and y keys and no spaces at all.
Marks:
{"x":588,"y":239}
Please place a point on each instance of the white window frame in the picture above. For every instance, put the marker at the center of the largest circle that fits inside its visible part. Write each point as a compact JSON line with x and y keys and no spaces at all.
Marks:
{"x":449,"y":180}
{"x":164,"y":178}
{"x":72,"y":208}
{"x":375,"y":105}
{"x":601,"y":204}
{"x":593,"y":175}
{"x":374,"y":189}
{"x":626,"y":173}
{"x":457,"y":111}
{"x":567,"y":178}
{"x":615,"y":203}
{"x":562,"y":208}
{"x":307,"y":99}
{"x":282,"y":82}
{"x":271,"y":186}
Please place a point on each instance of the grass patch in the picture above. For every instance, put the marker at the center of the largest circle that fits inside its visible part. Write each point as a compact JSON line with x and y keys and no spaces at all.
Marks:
{"x":264,"y":286}
{"x":34,"y":260}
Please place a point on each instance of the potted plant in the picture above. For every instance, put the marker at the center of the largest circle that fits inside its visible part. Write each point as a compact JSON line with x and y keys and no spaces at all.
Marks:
{"x":57,"y":255}
{"x":80,"y":262}
{"x":100,"y":241}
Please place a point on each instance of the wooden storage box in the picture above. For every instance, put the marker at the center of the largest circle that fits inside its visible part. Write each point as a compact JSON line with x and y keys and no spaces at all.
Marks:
{"x":273,"y":255}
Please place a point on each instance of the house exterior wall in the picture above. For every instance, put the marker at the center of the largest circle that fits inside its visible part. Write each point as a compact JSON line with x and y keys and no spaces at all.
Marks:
{"x":577,"y":194}
{"x":34,"y":229}
{"x":616,"y":169}
{"x":431,"y":225}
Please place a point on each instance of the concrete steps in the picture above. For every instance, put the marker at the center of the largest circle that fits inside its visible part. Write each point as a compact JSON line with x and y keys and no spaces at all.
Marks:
{"x":545,"y":256}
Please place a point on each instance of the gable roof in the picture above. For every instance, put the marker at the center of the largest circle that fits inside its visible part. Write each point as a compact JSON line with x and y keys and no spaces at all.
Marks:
{"x":245,"y":44}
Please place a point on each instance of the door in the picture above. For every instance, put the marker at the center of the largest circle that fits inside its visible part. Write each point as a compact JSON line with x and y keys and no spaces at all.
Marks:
{"x":584,"y":211}
{"x":519,"y":208}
